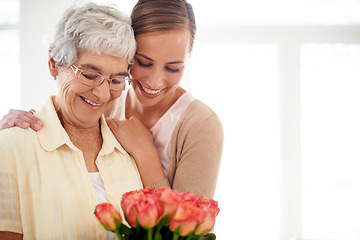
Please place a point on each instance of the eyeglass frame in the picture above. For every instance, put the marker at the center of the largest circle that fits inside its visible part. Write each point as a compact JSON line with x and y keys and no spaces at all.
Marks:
{"x":78,"y":71}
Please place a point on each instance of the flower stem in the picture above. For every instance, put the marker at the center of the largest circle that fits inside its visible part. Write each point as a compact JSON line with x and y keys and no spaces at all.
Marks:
{"x":117,"y":232}
{"x":189,"y":237}
{"x":150,"y":233}
{"x":176,"y":236}
{"x":157,"y":232}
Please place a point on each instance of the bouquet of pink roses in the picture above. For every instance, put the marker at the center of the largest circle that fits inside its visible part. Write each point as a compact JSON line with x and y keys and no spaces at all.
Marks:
{"x":162,"y":214}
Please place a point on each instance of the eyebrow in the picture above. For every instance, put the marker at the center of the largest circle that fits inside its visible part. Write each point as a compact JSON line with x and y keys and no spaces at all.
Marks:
{"x":146,"y":57}
{"x":94,"y":68}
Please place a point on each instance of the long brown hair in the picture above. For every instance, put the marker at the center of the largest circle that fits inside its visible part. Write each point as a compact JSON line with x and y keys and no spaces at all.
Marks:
{"x":163,"y":15}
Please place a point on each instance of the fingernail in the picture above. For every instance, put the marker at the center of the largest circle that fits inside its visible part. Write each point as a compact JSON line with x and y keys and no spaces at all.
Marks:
{"x":37,"y":126}
{"x":25,"y":124}
{"x":40,"y":123}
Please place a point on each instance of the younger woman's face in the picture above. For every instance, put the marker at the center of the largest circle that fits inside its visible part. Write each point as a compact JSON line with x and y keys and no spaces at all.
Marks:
{"x":159,"y":65}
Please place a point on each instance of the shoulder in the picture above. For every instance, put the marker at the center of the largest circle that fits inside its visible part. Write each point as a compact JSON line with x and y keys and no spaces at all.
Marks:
{"x":15,"y":142}
{"x":199,"y":113}
{"x":15,"y":135}
{"x":200,"y":107}
{"x":199,"y":121}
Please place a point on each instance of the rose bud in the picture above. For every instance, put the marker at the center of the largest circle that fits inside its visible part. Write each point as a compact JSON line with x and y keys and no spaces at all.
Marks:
{"x":169,"y":200}
{"x":187,"y":217}
{"x":148,"y":211}
{"x":188,"y":196}
{"x":211,"y":210}
{"x":127,"y":205}
{"x":141,"y":206}
{"x":206,"y":225}
{"x":108,"y":216}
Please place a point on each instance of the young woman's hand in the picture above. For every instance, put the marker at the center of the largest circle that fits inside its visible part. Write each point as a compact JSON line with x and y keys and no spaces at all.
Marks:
{"x":137,"y":140}
{"x":20,"y":118}
{"x":132,"y":135}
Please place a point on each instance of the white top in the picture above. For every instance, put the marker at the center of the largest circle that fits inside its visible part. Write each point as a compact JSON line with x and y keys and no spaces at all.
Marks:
{"x":163,"y":129}
{"x":101,"y":194}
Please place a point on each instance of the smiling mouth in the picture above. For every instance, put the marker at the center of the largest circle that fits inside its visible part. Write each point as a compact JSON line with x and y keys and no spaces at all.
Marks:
{"x":90,"y":102}
{"x":149,"y":91}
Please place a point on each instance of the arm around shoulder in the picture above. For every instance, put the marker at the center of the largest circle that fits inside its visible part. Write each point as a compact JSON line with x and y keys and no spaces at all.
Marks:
{"x":198,"y":151}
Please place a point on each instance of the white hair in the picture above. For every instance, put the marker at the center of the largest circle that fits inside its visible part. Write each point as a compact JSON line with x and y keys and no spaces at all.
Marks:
{"x":95,"y":28}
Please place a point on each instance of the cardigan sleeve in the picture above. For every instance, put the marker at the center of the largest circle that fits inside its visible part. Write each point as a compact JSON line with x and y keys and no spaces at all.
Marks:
{"x":162,"y":183}
{"x":199,"y":144}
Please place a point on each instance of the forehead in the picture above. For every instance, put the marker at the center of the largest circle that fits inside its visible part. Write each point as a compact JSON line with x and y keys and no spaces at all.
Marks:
{"x":170,"y":43}
{"x":101,"y":61}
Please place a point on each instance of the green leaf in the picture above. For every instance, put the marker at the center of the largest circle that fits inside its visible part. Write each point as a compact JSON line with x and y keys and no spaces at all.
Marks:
{"x":209,"y":236}
{"x":123,"y":229}
{"x":176,"y":236}
{"x":163,"y":221}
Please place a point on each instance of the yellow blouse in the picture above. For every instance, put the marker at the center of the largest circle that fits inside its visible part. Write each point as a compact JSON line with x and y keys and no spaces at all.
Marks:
{"x":45,"y":188}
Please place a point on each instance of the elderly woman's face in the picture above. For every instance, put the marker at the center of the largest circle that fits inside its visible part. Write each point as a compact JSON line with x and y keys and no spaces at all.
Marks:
{"x":83,"y":105}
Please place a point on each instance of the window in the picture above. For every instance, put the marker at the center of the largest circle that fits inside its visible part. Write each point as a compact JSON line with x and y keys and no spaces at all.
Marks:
{"x":283,"y":76}
{"x":330,"y":136}
{"x":9,"y":55}
{"x":228,"y":78}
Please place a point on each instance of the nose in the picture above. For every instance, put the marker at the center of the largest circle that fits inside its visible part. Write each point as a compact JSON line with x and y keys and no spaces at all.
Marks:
{"x":102,"y":91}
{"x":154,"y":79}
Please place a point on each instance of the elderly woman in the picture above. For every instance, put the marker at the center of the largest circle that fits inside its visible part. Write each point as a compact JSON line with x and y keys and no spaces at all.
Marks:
{"x":51,"y":180}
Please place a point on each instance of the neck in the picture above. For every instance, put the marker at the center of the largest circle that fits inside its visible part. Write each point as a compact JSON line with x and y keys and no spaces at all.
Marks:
{"x":149,"y":115}
{"x":82,"y":137}
{"x":86,"y":138}
{"x":73,"y":129}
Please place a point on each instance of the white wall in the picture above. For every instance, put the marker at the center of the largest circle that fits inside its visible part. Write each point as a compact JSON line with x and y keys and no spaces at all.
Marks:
{"x":36,"y":26}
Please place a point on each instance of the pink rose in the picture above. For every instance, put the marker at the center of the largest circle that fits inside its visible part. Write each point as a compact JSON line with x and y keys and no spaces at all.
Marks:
{"x":188,"y":196}
{"x":169,"y":200}
{"x":186,"y":218}
{"x":108,"y":216}
{"x":141,"y":206}
{"x":127,"y":204}
{"x":211,"y":210}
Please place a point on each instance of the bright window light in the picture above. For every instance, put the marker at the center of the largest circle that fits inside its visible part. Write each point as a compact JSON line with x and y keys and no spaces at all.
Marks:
{"x":278,"y":12}
{"x":10,"y":79}
{"x":240,"y":83}
{"x":330,"y":133}
{"x":9,"y":11}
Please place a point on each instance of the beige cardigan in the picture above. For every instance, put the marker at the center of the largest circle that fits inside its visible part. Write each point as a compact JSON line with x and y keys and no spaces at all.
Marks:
{"x":196,"y":149}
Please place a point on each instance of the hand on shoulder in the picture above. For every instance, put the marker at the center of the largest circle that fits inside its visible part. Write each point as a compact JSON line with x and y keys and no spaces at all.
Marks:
{"x":20,"y":118}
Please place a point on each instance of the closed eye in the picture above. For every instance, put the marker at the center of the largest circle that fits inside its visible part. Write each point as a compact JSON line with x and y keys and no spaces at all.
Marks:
{"x":117,"y":81}
{"x":173,"y":70}
{"x":90,"y":75}
{"x":143,"y":64}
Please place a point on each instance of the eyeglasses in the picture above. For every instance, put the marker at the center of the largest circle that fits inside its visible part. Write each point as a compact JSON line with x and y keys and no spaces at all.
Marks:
{"x":91,"y":78}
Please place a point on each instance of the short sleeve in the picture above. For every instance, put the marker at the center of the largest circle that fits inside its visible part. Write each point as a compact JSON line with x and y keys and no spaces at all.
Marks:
{"x":10,"y":219}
